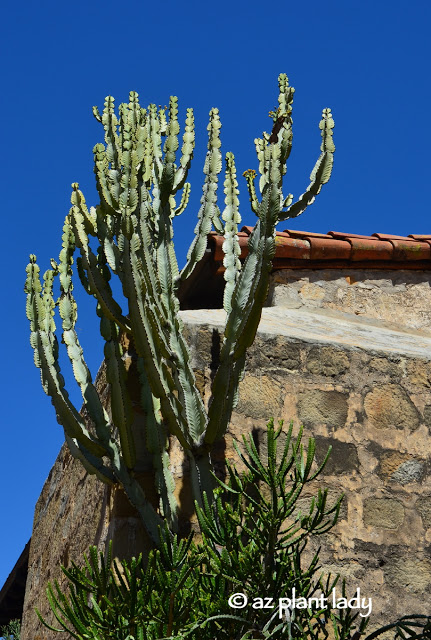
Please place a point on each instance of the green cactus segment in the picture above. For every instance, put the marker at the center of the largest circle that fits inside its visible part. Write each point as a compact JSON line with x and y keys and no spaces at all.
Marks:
{"x":186,"y":152}
{"x":157,"y":444}
{"x":107,"y":179}
{"x":44,"y":341}
{"x":68,"y":313}
{"x":150,"y":340}
{"x":170,"y":148}
{"x":246,"y":307}
{"x":232,"y":218}
{"x":208,"y":210}
{"x":250,"y":175}
{"x":322,"y":169}
{"x":201,"y":474}
{"x":283,"y":119}
{"x":110,"y":122}
{"x":97,"y":278}
{"x":251,"y":287}
{"x":116,"y":375}
{"x":106,"y":182}
{"x":217,"y":222}
{"x":184,"y":200}
{"x":92,"y":464}
{"x":81,"y":372}
{"x":159,"y":342}
{"x":135,"y":493}
{"x":139,"y":176}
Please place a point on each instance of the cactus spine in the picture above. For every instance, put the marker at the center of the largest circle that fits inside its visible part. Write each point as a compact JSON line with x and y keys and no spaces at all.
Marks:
{"x":138,"y":180}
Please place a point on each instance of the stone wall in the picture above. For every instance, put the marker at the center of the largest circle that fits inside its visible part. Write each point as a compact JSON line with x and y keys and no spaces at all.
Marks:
{"x":394,"y":296}
{"x":71,"y":514}
{"x":358,"y":383}
{"x":373,"y":407}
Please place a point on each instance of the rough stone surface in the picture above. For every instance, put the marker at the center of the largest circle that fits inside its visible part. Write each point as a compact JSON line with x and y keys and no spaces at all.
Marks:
{"x":259,"y":397}
{"x":273,"y":353}
{"x":413,"y":573}
{"x":420,"y":373}
{"x":342,"y":459}
{"x":327,"y":362}
{"x":69,"y":517}
{"x":423,"y":505}
{"x":427,"y":415}
{"x":409,"y":471}
{"x":384,"y":365}
{"x":400,"y":296}
{"x":390,"y":462}
{"x":385,"y":513}
{"x":389,"y":406}
{"x":322,"y":407}
{"x":328,"y":326}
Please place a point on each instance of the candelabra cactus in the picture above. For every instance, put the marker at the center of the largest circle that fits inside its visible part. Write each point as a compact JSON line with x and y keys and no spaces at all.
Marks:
{"x":138,"y":180}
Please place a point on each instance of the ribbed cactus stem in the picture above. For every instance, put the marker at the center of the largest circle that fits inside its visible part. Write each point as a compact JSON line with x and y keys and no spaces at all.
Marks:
{"x":232,"y":218}
{"x":157,"y":441}
{"x":186,"y":152}
{"x":250,"y":176}
{"x":322,"y":169}
{"x":208,"y":209}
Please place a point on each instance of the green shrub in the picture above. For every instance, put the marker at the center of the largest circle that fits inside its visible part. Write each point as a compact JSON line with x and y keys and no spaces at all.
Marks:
{"x":253,"y":541}
{"x":11,"y":631}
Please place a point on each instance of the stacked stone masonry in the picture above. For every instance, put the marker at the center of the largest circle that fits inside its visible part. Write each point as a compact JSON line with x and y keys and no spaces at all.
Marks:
{"x":349,"y":357}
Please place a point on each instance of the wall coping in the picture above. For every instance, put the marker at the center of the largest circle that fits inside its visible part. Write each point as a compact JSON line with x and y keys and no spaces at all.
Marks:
{"x":328,"y":326}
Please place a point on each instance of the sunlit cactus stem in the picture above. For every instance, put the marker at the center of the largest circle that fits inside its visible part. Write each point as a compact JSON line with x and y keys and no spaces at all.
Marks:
{"x":141,"y":179}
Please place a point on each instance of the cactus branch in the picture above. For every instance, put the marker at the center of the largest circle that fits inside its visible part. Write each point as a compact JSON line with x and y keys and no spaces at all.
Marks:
{"x":232,"y":218}
{"x":207,"y":211}
{"x":321,"y":172}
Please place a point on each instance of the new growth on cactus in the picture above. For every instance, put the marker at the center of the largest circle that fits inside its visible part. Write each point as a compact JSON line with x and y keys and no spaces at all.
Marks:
{"x":142,"y":186}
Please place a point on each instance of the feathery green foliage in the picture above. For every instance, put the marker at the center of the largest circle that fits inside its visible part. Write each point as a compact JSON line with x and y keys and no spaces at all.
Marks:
{"x":142,"y":183}
{"x":11,"y":631}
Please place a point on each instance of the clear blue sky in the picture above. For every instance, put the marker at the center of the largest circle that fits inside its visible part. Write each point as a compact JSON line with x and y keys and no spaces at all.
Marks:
{"x":369,"y":61}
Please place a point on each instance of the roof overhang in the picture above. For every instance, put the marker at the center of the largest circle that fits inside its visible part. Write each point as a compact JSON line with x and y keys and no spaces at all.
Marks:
{"x":308,"y":250}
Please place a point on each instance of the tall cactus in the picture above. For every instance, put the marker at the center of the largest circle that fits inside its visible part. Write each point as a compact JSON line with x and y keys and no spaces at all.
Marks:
{"x":138,"y":179}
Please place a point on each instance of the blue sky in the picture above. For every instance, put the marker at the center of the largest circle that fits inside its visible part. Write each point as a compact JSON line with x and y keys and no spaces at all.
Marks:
{"x":368,"y":61}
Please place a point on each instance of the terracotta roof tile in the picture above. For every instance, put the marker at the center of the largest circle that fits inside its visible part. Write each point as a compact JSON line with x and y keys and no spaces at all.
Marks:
{"x":329,"y":249}
{"x":304,"y":249}
{"x":370,"y":249}
{"x":292,"y":248}
{"x":305,"y":234}
{"x":411,"y":250}
{"x":428,"y":242}
{"x":346,"y":236}
{"x":387,"y":236}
